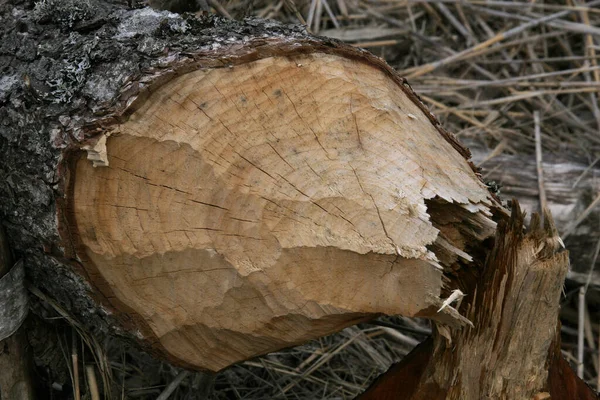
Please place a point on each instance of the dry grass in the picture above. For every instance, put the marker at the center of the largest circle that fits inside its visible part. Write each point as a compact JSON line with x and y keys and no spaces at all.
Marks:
{"x":485,"y":68}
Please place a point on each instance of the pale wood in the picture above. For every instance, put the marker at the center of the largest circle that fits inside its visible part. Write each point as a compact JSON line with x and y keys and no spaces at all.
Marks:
{"x":515,"y":316}
{"x":245,"y":209}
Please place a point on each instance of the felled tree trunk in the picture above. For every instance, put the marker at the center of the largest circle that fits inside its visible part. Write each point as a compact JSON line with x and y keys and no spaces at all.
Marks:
{"x":216,"y":190}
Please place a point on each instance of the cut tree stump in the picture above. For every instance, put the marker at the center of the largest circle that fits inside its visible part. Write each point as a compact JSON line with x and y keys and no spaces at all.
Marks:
{"x":513,"y":350}
{"x":214,"y":190}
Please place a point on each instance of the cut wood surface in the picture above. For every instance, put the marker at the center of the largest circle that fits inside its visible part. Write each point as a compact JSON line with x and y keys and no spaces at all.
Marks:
{"x":244,"y":209}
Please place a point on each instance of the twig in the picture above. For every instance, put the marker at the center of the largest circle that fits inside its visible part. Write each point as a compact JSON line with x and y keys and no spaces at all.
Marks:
{"x":418,"y":331}
{"x":318,"y":15}
{"x":512,"y":4}
{"x":580,"y":332}
{"x":538,"y":163}
{"x":173,"y":385}
{"x":526,"y":95}
{"x":377,"y":43}
{"x":322,"y":360}
{"x":591,"y":51}
{"x":461,"y":55}
{"x":331,"y":14}
{"x":592,"y":265}
{"x":400,"y":337}
{"x":581,"y":217}
{"x":472,"y":83}
{"x":343,"y":8}
{"x":589,"y":338}
{"x":89,"y":340}
{"x":220,"y":9}
{"x":580,"y":177}
{"x":291,"y":5}
{"x":75,"y":362}
{"x":455,"y":23}
{"x":559,"y":24}
{"x":92,"y":383}
{"x":311,"y":14}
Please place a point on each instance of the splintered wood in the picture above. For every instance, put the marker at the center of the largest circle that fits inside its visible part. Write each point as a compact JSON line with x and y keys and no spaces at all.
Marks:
{"x":515,"y":315}
{"x":513,"y":351}
{"x":253,"y":207}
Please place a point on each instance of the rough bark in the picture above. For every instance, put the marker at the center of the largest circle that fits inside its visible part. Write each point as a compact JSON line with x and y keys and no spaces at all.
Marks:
{"x":513,"y":350}
{"x":218,"y":190}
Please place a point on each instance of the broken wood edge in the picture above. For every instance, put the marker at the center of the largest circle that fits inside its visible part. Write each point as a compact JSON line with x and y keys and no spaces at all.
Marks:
{"x":96,"y":150}
{"x":517,"y":176}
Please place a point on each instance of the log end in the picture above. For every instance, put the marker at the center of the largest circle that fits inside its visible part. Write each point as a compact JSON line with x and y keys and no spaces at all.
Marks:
{"x":247,"y":208}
